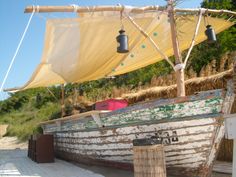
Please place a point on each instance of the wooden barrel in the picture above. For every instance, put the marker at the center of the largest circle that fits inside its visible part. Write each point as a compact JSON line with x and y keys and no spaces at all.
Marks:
{"x":149,"y":161}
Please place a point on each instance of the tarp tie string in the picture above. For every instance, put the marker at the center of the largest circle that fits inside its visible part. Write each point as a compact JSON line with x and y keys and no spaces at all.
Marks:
{"x":35,"y":9}
{"x":180,"y":66}
{"x":75,"y":7}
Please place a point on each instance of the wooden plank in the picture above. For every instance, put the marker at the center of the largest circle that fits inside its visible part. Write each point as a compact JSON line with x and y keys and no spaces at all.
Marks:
{"x":203,"y":107}
{"x":127,"y":144}
{"x":205,"y":95}
{"x":193,"y":141}
{"x":223,"y":167}
{"x":183,"y":132}
{"x":230,"y":126}
{"x":204,"y":100}
{"x":234,"y":160}
{"x":76,"y":116}
{"x":139,"y":129}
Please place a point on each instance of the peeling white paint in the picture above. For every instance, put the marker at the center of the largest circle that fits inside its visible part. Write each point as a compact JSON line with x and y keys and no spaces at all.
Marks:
{"x":188,"y":140}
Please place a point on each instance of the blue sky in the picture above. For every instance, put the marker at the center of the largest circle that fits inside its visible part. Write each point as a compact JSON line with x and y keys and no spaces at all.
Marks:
{"x":13,"y":22}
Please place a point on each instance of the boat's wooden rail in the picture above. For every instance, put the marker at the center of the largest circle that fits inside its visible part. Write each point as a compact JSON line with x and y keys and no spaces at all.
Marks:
{"x":76,"y":116}
{"x":95,"y":114}
{"x":204,"y":104}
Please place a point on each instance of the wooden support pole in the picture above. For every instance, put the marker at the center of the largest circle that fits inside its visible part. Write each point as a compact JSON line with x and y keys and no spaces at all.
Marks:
{"x":75,"y":97}
{"x":194,"y":37}
{"x":234,"y":159}
{"x":62,"y":100}
{"x":151,"y":41}
{"x":234,"y":75}
{"x":180,"y":83}
{"x":207,"y":11}
{"x":178,"y":59}
{"x":79,"y":9}
{"x":234,"y":140}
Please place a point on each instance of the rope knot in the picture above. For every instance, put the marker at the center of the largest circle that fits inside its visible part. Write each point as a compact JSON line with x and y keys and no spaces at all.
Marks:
{"x":179,"y":66}
{"x":75,"y":7}
{"x":36,"y":9}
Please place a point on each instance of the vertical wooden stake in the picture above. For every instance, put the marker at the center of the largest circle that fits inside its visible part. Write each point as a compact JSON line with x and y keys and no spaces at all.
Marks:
{"x":234,"y":140}
{"x":178,"y":58}
{"x":234,"y":160}
{"x":75,"y":100}
{"x":180,"y":83}
{"x":62,"y":100}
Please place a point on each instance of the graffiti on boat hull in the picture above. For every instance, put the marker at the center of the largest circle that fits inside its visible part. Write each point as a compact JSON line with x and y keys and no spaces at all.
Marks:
{"x":164,"y":137}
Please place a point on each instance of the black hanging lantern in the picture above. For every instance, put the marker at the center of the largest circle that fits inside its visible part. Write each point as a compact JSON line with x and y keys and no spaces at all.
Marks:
{"x":210,"y":33}
{"x":122,"y":40}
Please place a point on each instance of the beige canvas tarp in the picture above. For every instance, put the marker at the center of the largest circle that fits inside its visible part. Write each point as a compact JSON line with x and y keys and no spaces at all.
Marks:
{"x":84,"y":48}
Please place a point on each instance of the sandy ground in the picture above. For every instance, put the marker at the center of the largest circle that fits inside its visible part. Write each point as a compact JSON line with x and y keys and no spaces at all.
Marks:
{"x":15,"y":163}
{"x":11,"y":149}
{"x":12,"y":143}
{"x":110,"y":172}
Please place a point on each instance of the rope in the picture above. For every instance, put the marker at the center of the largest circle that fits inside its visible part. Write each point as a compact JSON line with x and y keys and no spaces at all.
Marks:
{"x":18,"y":47}
{"x":230,"y":18}
{"x":52,"y":94}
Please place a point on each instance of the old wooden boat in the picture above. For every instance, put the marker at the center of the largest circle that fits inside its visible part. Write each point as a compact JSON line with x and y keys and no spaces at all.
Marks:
{"x":191,"y":129}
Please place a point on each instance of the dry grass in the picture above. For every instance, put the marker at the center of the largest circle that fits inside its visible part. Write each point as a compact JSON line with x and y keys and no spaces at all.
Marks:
{"x":193,"y":85}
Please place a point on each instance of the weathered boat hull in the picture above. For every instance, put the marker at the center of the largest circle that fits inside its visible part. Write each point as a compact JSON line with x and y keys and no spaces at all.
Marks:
{"x":191,"y":129}
{"x":187,"y":146}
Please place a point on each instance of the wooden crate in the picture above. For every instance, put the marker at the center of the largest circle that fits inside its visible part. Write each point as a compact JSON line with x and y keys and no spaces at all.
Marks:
{"x":44,"y":149}
{"x":41,"y":148}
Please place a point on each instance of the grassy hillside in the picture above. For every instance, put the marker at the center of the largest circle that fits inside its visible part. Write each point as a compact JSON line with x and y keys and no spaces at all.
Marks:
{"x":23,"y":112}
{"x":25,"y":121}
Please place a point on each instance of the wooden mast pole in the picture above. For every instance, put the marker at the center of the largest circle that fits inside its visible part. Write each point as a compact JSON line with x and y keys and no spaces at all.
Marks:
{"x":178,"y":59}
{"x":75,"y":98}
{"x":62,"y":100}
